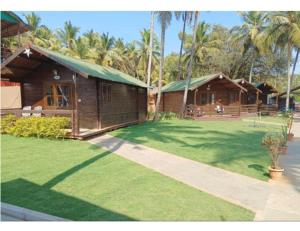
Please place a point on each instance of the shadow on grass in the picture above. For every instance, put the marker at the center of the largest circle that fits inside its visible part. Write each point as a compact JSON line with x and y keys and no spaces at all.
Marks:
{"x":26,"y":194}
{"x":241,"y":145}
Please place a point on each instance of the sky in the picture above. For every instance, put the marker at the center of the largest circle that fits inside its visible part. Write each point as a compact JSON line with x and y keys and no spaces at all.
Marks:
{"x":127,"y":25}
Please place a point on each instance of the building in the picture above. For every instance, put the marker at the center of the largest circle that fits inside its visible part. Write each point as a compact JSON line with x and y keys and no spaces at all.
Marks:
{"x":213,"y":94}
{"x":96,"y":98}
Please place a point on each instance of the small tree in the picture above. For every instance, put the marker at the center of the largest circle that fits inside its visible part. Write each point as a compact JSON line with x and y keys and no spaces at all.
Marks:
{"x":272,"y":141}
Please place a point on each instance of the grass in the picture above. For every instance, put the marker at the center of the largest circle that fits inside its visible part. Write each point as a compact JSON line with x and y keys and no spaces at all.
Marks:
{"x":270,"y":119}
{"x":78,"y":181}
{"x":231,"y":145}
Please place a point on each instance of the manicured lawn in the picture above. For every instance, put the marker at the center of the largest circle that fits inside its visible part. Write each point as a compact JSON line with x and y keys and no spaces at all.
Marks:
{"x":231,"y":145}
{"x":272,"y":119}
{"x":77,"y":181}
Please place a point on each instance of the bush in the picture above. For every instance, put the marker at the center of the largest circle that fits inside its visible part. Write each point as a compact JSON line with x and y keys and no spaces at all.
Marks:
{"x":273,"y":141}
{"x":7,"y":122}
{"x":167,"y":115}
{"x":51,"y":127}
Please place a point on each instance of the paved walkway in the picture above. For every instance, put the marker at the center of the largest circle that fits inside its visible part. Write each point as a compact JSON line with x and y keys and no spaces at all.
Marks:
{"x":238,"y":189}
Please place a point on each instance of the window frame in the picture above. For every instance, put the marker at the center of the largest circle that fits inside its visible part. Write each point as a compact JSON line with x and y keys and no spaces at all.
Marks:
{"x":106,"y":94}
{"x":56,"y":96}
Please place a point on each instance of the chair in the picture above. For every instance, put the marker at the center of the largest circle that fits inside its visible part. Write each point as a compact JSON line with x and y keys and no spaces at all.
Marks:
{"x":39,"y":111}
{"x":26,"y":114}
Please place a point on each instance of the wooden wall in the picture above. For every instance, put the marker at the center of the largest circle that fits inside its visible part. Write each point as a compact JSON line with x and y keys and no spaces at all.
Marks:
{"x":128,"y":103}
{"x":172,"y":101}
{"x":123,"y":107}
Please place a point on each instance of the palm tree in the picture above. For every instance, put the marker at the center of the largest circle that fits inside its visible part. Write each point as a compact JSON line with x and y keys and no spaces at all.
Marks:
{"x":105,"y":49}
{"x":186,"y":18}
{"x":93,"y":38}
{"x":150,"y":53}
{"x":190,"y":64}
{"x":247,"y":34}
{"x":204,"y":45}
{"x":33,"y":20}
{"x":284,"y":30}
{"x":144,"y":51}
{"x":164,"y":18}
{"x":68,"y":34}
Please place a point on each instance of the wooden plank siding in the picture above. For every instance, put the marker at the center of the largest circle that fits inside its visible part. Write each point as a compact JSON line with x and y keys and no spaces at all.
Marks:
{"x":128,"y":103}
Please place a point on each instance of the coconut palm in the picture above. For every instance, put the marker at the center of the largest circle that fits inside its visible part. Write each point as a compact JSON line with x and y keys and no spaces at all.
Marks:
{"x":144,"y":50}
{"x":93,"y":38}
{"x":247,"y":34}
{"x":204,"y":44}
{"x":150,"y":53}
{"x":68,"y":35}
{"x":284,"y":30}
{"x":186,"y":17}
{"x":33,"y":20}
{"x":164,"y":18}
{"x":190,"y":64}
{"x":105,"y":49}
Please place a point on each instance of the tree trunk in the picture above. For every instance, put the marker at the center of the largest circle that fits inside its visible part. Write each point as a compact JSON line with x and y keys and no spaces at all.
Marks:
{"x":150,"y":57}
{"x":251,"y":70}
{"x":287,"y":103}
{"x":161,"y":69}
{"x":190,"y":65}
{"x":181,"y":47}
{"x":295,"y":64}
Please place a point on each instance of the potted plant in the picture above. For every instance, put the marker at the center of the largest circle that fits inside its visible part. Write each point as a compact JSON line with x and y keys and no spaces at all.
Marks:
{"x":289,"y":125}
{"x":283,"y":141}
{"x":272,"y":141}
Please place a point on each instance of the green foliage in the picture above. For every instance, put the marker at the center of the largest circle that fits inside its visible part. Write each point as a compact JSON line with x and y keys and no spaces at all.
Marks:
{"x":273,"y":141}
{"x":7,"y":122}
{"x":167,"y":115}
{"x":284,"y":136}
{"x":50,"y":127}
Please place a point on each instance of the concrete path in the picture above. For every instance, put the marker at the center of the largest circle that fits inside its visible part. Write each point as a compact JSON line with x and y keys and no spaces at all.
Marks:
{"x":238,"y":189}
{"x":284,"y":200}
{"x":11,"y":212}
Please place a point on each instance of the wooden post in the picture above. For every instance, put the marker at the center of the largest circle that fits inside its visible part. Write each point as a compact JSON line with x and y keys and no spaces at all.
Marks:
{"x":195,"y":97}
{"x":277,"y":100}
{"x":240,"y":98}
{"x":75,"y":117}
{"x":137,"y":104}
{"x":97,"y":103}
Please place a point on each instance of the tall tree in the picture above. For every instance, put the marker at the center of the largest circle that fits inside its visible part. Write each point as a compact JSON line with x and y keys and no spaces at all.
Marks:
{"x":284,"y":30}
{"x":190,"y":65}
{"x":68,"y":35}
{"x":186,"y":18}
{"x":247,"y":34}
{"x":164,"y":18}
{"x":150,"y":53}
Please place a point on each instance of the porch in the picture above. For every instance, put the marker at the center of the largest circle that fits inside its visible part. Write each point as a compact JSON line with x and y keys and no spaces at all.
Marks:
{"x":195,"y":111}
{"x":74,"y":131}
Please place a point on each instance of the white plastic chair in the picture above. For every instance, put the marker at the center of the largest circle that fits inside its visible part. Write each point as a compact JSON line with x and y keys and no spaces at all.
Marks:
{"x":26,"y":114}
{"x":39,"y":111}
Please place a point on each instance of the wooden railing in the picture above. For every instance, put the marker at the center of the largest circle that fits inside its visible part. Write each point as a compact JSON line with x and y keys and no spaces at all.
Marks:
{"x":249,"y":108}
{"x":194,"y":111}
{"x":268,"y":109}
{"x":65,"y":113}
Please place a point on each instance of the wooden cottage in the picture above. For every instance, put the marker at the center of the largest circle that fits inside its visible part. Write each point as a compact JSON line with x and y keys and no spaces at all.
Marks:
{"x":214,"y":94}
{"x":268,"y":98}
{"x":295,"y":91}
{"x":250,"y":100}
{"x":96,"y":98}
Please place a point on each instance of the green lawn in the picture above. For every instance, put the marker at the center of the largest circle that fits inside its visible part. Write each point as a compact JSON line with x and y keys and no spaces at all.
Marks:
{"x":78,"y":181}
{"x":231,"y":145}
{"x":269,"y":119}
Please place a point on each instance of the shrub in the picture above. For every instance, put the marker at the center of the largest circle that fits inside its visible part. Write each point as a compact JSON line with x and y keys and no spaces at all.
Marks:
{"x":284,"y":136}
{"x":7,"y":122}
{"x":51,"y":127}
{"x":273,"y":141}
{"x":167,"y":115}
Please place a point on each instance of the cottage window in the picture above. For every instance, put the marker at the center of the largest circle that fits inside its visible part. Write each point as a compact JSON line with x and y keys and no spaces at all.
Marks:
{"x":203,"y":98}
{"x":58,"y":96}
{"x":106,"y":93}
{"x":233,"y":97}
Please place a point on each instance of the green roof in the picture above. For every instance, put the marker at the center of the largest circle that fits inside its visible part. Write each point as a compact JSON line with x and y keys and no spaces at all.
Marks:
{"x":195,"y":82}
{"x":9,"y":17}
{"x":90,"y":69}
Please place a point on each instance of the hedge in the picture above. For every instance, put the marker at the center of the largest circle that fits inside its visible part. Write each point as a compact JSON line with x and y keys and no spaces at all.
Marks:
{"x":51,"y":127}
